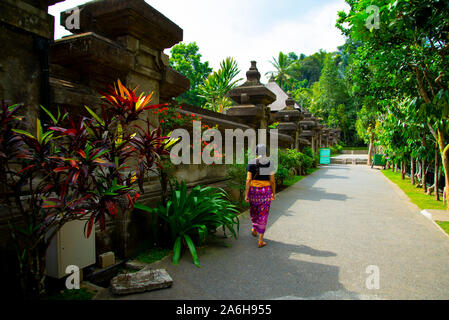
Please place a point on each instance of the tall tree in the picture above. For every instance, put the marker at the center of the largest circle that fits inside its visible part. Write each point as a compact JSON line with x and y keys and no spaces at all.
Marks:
{"x":186,"y":59}
{"x":411,"y":44}
{"x":282,"y":66}
{"x":331,"y":98}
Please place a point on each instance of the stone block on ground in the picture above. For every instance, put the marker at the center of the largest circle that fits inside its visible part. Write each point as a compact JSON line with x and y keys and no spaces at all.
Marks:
{"x":146,"y":280}
{"x":106,"y":259}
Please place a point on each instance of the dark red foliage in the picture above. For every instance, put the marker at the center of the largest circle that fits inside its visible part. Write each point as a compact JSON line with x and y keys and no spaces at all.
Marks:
{"x":150,"y":146}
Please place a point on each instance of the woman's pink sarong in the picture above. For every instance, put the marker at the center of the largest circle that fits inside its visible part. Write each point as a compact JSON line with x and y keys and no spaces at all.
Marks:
{"x":260,"y":202}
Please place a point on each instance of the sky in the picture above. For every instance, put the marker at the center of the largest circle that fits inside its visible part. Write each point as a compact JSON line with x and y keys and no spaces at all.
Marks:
{"x":246,"y":29}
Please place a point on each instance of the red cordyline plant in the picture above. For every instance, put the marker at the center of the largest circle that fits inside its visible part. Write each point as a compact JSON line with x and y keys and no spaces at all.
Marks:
{"x":75,"y":169}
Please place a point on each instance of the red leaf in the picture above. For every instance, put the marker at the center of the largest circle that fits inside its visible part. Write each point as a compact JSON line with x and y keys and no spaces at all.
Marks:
{"x":26,"y":168}
{"x":48,"y":187}
{"x":112,"y":208}
{"x":102,"y":222}
{"x":75,"y":177}
{"x":89,"y":225}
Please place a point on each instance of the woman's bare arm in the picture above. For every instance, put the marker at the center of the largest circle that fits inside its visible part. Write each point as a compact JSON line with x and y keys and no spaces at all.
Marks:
{"x":249,"y":177}
{"x":273,"y":186}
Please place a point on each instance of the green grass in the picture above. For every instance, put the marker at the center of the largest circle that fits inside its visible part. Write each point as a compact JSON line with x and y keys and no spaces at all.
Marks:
{"x":81,"y":294}
{"x":444,"y":225}
{"x":416,"y":195}
{"x":295,"y":179}
{"x":152,"y":255}
{"x":292,"y":180}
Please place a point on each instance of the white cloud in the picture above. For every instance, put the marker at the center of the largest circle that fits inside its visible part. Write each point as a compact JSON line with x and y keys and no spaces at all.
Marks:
{"x":228,"y":30}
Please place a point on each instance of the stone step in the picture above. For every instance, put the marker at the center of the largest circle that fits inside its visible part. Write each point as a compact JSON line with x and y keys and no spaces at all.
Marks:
{"x":354,"y":161}
{"x":354,"y":151}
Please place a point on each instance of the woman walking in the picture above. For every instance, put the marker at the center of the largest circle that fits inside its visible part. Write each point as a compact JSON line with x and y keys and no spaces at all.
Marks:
{"x":260,"y":191}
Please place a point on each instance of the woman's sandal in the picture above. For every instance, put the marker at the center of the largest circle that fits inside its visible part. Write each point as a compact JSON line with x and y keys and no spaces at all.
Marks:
{"x":262,"y":244}
{"x":254,"y":232}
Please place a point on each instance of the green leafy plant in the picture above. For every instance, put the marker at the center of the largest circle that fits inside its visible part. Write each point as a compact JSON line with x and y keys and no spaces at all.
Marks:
{"x":281,"y":174}
{"x":218,"y":84}
{"x":236,"y":173}
{"x":186,"y":59}
{"x":273,"y":125}
{"x":336,"y":149}
{"x":193,"y":216}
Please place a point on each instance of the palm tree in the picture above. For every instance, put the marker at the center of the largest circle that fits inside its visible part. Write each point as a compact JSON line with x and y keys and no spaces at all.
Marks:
{"x":283,"y":66}
{"x":218,"y":84}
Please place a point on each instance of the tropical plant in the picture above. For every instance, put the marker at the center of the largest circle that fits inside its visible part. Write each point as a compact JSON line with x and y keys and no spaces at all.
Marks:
{"x":236,"y":174}
{"x":218,"y":84}
{"x":283,"y":69}
{"x":193,"y":216}
{"x":292,"y":159}
{"x":73,"y":170}
{"x":337,"y":149}
{"x":186,"y":59}
{"x":281,"y":174}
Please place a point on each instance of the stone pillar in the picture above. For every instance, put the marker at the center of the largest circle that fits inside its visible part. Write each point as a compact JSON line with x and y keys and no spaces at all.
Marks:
{"x":317,"y":134}
{"x":326,"y":136}
{"x":307,"y":135}
{"x":313,"y":145}
{"x":289,"y":121}
{"x":26,"y":31}
{"x":252,"y":98}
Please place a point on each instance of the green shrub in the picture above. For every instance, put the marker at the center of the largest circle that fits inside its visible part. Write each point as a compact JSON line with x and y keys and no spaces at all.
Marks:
{"x":236,"y":173}
{"x":281,"y":174}
{"x":192,"y":216}
{"x":293,"y":159}
{"x":274,"y":125}
{"x":337,"y":149}
{"x":308,"y":152}
{"x":307,"y":163}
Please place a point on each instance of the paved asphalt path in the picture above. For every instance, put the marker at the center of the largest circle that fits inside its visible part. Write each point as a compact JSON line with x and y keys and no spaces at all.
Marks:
{"x":322,"y":235}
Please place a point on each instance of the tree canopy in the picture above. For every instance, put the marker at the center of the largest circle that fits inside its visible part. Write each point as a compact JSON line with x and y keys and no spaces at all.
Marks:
{"x":186,"y":59}
{"x":401,"y":75}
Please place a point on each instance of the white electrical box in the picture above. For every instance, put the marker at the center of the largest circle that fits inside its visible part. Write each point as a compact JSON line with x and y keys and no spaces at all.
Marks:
{"x":70,"y":247}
